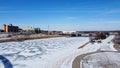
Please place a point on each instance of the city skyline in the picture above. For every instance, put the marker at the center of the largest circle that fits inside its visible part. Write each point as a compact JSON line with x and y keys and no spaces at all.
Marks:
{"x":73,"y":15}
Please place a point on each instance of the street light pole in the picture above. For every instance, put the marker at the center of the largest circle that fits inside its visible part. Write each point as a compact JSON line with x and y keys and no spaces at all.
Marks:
{"x":48,"y":29}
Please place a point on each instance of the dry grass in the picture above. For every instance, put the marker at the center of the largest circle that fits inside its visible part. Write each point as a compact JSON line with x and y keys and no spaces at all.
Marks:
{"x":83,"y":45}
{"x":22,"y":39}
{"x":117,"y":46}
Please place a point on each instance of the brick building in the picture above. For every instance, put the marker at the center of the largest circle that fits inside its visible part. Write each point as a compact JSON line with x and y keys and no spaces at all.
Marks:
{"x":10,"y":28}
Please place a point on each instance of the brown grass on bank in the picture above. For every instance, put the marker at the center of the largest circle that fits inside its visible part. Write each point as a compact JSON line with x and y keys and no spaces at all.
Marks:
{"x":22,"y":39}
{"x":117,"y":46}
{"x":83,"y":45}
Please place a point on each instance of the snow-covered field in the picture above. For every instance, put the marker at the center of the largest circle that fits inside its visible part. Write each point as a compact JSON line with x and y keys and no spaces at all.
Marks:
{"x":40,"y":53}
{"x":4,"y":35}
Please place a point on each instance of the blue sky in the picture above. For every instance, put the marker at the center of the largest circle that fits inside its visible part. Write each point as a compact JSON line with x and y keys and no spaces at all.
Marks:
{"x":62,"y":14}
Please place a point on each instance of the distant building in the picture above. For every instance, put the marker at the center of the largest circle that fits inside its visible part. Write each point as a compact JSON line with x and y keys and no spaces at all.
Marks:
{"x":10,"y":28}
{"x":68,"y":32}
{"x":31,"y":29}
{"x":114,"y":33}
{"x":28,"y":28}
{"x":55,"y":32}
{"x":44,"y":32}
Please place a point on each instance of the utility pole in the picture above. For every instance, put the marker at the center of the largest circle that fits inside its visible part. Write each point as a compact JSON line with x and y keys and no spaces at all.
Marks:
{"x":48,"y":29}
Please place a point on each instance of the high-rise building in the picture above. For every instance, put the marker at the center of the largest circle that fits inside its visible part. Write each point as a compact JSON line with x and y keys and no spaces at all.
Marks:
{"x":10,"y":28}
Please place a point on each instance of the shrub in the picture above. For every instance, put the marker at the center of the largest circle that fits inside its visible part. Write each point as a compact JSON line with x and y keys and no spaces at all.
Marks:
{"x":101,"y":36}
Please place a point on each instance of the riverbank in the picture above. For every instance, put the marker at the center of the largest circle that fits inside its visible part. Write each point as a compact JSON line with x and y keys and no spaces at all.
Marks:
{"x":27,"y":38}
{"x":105,"y":46}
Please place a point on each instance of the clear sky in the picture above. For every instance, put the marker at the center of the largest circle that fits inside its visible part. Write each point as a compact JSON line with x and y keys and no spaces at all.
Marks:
{"x":62,"y":14}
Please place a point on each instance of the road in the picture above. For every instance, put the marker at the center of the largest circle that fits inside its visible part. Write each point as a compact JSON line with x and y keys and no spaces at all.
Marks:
{"x":78,"y":61}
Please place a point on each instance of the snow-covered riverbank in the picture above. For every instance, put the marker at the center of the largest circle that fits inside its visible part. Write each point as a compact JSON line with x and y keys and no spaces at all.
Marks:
{"x":39,"y":53}
{"x":105,"y":46}
{"x":52,"y":52}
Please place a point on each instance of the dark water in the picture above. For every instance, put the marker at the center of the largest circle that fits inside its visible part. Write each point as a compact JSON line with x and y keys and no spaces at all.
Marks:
{"x":6,"y":62}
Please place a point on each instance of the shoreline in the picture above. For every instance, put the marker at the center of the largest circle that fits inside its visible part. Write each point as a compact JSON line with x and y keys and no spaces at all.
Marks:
{"x":78,"y":59}
{"x":23,"y":39}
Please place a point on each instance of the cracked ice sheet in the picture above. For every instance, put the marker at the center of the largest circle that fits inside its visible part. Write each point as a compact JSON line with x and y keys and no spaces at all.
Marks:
{"x":38,"y":53}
